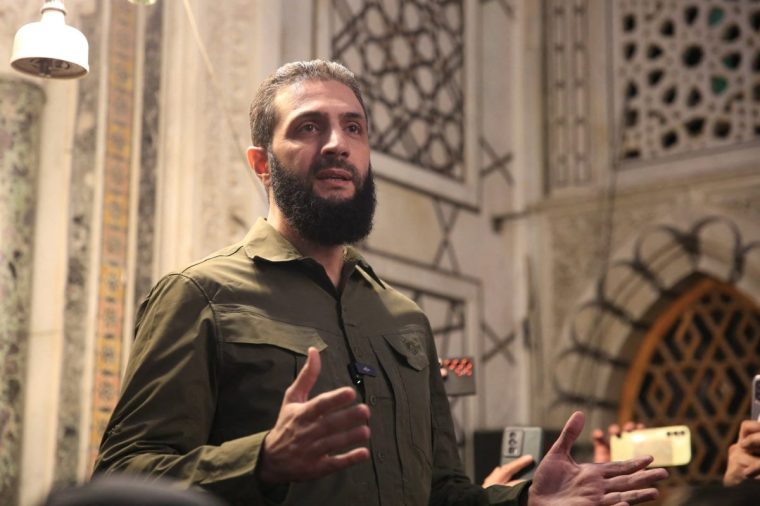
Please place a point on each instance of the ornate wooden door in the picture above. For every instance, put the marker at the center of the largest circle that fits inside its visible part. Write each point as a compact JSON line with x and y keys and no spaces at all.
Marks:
{"x":694,"y":367}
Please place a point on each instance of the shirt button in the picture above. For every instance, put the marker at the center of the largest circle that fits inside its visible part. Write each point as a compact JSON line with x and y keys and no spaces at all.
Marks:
{"x":381,"y":455}
{"x":372,"y":400}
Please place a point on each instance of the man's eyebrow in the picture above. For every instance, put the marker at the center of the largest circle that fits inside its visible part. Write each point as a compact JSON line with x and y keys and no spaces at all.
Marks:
{"x":306,"y":115}
{"x":353,"y":115}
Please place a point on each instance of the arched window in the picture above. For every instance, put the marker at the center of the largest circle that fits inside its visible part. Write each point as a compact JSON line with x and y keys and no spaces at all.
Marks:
{"x":694,"y":367}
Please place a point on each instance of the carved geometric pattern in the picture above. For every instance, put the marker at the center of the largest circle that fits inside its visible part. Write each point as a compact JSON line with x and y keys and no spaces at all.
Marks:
{"x":409,"y":58}
{"x":495,"y":163}
{"x":500,"y":344}
{"x":447,"y":216}
{"x":694,"y":368}
{"x":568,"y":100}
{"x":688,"y":76}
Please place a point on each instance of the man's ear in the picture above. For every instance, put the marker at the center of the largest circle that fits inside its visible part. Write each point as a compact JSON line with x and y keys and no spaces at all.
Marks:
{"x":258,"y":161}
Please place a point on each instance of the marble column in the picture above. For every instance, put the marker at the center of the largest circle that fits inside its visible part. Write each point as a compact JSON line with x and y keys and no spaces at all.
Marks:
{"x":21,"y":104}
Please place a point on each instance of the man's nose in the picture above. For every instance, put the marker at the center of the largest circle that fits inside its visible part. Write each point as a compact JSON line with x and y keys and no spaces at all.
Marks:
{"x":336,"y":143}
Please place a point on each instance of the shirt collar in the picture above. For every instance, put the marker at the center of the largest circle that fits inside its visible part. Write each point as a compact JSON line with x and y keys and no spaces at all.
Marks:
{"x":353,"y":255}
{"x":264,"y":242}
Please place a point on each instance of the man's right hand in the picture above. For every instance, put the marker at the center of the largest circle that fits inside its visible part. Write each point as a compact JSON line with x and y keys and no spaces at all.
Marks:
{"x":303,"y":443}
{"x":744,"y":455}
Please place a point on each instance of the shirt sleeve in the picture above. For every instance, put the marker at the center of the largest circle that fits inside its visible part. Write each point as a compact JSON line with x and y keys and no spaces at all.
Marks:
{"x":161,"y":423}
{"x":450,"y":485}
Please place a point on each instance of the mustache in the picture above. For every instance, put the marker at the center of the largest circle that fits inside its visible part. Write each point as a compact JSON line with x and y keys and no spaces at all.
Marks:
{"x":329,"y":162}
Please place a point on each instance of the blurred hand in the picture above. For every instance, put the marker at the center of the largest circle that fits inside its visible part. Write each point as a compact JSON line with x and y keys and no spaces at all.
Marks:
{"x":559,"y":480}
{"x":744,"y":455}
{"x":502,"y":475}
{"x":602,"y":442}
{"x":303,"y":443}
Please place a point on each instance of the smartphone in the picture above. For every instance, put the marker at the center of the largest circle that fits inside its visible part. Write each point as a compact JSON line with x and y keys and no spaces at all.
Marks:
{"x":670,"y":446}
{"x":756,"y":398}
{"x":519,"y":441}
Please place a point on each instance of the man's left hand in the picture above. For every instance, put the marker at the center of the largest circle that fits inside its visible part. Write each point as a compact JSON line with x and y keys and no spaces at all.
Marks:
{"x":560,"y":480}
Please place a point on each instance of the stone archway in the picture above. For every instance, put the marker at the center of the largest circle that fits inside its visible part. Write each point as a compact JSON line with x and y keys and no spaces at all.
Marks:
{"x":602,"y":336}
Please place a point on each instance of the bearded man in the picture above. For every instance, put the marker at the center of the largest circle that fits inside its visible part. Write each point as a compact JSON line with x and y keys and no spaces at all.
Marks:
{"x":283,"y":370}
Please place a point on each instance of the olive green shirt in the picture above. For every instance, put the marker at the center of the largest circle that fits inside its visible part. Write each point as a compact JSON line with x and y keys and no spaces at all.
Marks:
{"x":217,"y":345}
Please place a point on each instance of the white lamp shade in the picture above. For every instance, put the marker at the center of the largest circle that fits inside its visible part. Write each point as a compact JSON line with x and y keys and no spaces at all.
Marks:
{"x":49,"y":47}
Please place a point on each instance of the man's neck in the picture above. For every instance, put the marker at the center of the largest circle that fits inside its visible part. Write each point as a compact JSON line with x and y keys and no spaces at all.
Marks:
{"x":329,"y":257}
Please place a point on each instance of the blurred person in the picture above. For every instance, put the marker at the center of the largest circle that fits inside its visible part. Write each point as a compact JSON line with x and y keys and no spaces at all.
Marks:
{"x":126,"y":490}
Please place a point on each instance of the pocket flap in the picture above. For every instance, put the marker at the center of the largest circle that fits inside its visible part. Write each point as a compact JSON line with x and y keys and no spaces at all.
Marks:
{"x":411,"y":345}
{"x":247,"y":327}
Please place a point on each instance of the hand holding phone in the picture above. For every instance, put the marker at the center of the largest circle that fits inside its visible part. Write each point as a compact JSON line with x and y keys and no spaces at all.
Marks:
{"x":518,"y":442}
{"x":670,"y":446}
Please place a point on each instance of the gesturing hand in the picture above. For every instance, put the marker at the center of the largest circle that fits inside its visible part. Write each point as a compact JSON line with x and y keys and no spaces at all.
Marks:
{"x":302,"y":444}
{"x":744,"y":455}
{"x":559,"y":480}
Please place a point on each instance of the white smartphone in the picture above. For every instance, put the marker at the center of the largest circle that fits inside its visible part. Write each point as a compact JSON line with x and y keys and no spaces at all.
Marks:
{"x":756,"y":398}
{"x":670,"y":446}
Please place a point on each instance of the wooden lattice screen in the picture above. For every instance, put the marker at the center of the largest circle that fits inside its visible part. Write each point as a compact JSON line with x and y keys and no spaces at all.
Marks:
{"x":694,"y":367}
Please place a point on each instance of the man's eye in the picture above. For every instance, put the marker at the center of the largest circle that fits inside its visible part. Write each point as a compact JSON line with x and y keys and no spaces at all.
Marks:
{"x":308,"y":127}
{"x":354,"y":128}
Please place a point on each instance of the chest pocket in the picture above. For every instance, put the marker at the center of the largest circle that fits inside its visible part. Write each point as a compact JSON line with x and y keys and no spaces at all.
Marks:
{"x":260,"y":359}
{"x":411,"y":386}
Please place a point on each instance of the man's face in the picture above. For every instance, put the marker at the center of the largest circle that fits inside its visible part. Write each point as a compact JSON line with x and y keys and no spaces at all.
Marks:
{"x":319,"y":163}
{"x":321,"y":135}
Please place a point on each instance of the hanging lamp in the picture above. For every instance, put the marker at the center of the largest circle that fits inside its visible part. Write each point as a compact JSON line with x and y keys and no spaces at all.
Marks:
{"x":49,"y":47}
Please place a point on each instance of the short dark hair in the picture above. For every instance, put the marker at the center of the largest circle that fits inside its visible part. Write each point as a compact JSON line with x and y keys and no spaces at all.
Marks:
{"x":263,"y":116}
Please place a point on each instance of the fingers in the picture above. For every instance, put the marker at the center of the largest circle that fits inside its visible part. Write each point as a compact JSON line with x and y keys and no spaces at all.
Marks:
{"x":748,"y":427}
{"x":635,"y":481}
{"x":328,"y":402}
{"x":516,"y":465}
{"x":630,"y":497}
{"x":751,"y":443}
{"x":611,"y":469}
{"x":752,"y":471}
{"x":339,"y":440}
{"x":601,"y":446}
{"x":299,"y":390}
{"x":338,"y":420}
{"x":571,"y":431}
{"x":331,"y":463}
{"x":502,"y":474}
